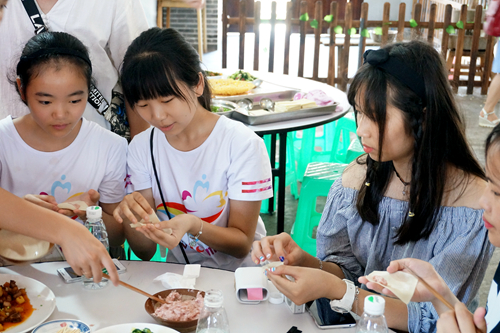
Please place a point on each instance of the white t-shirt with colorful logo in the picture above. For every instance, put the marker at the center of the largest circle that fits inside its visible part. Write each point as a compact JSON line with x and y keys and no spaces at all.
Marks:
{"x":96,"y":159}
{"x":232,"y":163}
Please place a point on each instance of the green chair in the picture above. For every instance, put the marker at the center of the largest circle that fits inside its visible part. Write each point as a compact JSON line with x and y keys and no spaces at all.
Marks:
{"x":342,"y":140}
{"x":291,"y":174}
{"x":159,"y":255}
{"x":318,"y":179}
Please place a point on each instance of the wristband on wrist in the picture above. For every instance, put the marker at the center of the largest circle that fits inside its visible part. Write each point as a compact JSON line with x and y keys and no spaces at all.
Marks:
{"x":320,"y":264}
{"x":194,"y":239}
{"x":344,"y":305}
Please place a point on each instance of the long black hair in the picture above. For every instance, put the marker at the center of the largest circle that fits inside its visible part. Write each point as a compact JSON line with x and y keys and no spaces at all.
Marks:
{"x":436,"y":126}
{"x":156,"y":62}
{"x":51,"y":49}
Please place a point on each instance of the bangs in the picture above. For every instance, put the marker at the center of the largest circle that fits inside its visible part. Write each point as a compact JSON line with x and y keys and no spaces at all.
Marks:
{"x":148,"y":77}
{"x":368,"y":93}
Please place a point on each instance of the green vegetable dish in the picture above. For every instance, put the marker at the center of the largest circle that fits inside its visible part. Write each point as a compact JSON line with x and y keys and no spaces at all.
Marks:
{"x":216,"y":108}
{"x":242,"y":76}
{"x":146,"y":330}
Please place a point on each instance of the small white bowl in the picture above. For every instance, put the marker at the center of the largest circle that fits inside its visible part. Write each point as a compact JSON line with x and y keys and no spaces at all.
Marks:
{"x":17,"y":247}
{"x":55,"y":325}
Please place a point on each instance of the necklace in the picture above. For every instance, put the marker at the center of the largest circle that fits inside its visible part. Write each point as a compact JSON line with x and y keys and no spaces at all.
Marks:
{"x":405,"y":184}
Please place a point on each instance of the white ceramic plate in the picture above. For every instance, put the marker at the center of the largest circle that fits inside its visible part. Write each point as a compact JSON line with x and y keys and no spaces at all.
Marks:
{"x":55,"y":325}
{"x":17,"y":247}
{"x":41,"y":297}
{"x":127,"y":328}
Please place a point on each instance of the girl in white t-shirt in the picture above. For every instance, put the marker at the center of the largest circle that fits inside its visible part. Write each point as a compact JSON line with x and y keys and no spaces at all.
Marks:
{"x":209,"y":173}
{"x":53,"y":155}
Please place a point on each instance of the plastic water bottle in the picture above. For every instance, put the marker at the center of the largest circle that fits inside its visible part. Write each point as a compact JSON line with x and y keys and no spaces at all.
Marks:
{"x":213,"y":318}
{"x":96,"y":226}
{"x":373,"y":319}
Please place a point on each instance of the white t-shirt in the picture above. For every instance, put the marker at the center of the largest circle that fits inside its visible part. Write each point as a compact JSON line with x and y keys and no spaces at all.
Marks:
{"x":96,"y":159}
{"x":105,"y":27}
{"x":493,"y":306}
{"x":232,"y":163}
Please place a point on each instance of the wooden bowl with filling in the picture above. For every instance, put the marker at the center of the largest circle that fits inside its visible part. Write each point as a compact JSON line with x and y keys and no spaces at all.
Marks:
{"x":175,"y":308}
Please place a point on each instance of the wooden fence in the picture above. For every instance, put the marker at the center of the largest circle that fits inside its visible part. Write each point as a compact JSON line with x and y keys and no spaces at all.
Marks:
{"x":422,"y":26}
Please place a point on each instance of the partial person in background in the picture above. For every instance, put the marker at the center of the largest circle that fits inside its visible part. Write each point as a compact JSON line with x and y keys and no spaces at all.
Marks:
{"x":487,"y":116}
{"x":106,"y":27}
{"x":84,"y":253}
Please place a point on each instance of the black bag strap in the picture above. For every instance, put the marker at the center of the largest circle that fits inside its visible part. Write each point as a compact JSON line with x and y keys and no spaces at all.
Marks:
{"x":35,"y":17}
{"x":161,"y":193}
{"x":96,"y":99}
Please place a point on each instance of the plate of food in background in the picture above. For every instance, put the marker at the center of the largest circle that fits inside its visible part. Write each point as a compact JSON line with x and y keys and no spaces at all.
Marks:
{"x":32,"y":306}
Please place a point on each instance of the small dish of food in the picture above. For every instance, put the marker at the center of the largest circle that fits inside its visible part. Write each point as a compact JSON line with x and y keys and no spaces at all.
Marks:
{"x":213,"y":75}
{"x":19,"y":248}
{"x":242,"y":76}
{"x":182,"y":310}
{"x":223,"y":107}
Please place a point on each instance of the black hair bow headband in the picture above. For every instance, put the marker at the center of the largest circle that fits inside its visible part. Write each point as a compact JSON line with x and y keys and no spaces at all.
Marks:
{"x":397,"y":68}
{"x":49,"y":51}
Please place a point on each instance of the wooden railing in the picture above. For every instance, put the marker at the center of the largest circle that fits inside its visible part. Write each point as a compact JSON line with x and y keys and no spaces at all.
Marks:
{"x":422,"y":26}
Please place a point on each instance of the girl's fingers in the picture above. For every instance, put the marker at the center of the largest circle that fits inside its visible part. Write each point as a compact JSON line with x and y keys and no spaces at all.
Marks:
{"x":266,"y":244}
{"x":144,"y":204}
{"x":257,"y":254}
{"x":479,"y":320}
{"x":464,"y":318}
{"x":117,"y":215}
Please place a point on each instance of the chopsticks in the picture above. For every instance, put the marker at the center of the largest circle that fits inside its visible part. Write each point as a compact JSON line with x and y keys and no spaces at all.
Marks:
{"x":432,"y":290}
{"x":142,"y":292}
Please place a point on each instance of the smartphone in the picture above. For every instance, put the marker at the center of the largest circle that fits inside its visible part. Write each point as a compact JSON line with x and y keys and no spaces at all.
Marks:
{"x":313,"y":311}
{"x":69,"y":275}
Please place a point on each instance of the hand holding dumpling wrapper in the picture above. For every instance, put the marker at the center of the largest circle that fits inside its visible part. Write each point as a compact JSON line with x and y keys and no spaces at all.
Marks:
{"x":401,"y":284}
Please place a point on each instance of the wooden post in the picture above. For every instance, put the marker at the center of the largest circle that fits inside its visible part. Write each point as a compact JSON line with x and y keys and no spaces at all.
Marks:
{"x":345,"y":51}
{"x":474,"y":49}
{"x":318,"y":15}
{"x":459,"y":50}
{"x":224,"y":33}
{"x":242,"y":33}
{"x":272,"y":38}
{"x":417,"y":10}
{"x":362,"y":40}
{"x":447,"y":21}
{"x":303,"y":10}
{"x":385,"y":22}
{"x":401,"y":22}
{"x":256,"y":31}
{"x":288,"y":33}
{"x":331,"y":58}
{"x":432,"y":20}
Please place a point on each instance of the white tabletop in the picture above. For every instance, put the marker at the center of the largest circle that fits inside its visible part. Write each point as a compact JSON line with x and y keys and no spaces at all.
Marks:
{"x":117,"y":305}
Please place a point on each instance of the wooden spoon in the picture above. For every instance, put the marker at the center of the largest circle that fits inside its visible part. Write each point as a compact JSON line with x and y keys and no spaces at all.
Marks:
{"x":126,"y":285}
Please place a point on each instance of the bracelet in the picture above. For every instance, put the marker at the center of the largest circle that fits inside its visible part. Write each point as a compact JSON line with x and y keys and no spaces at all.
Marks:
{"x":320,"y":264}
{"x":195,"y":238}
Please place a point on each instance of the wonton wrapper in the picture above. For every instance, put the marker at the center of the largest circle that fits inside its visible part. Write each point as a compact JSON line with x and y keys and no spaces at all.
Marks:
{"x":401,"y":284}
{"x":272,"y":264}
{"x":153,"y":218}
{"x":82,"y":205}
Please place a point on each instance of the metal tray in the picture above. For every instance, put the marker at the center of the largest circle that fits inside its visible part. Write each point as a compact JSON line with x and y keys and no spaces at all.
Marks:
{"x":266,"y":89}
{"x":273,"y":117}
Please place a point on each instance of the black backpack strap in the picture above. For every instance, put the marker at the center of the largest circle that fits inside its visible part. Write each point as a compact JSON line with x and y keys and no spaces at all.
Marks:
{"x":159,"y":189}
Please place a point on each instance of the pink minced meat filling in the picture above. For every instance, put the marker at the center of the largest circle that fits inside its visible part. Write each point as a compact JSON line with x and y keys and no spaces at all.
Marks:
{"x":177,"y":309}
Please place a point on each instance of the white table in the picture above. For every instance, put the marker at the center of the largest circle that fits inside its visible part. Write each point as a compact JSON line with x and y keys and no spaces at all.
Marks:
{"x":282,"y":128}
{"x":117,"y":305}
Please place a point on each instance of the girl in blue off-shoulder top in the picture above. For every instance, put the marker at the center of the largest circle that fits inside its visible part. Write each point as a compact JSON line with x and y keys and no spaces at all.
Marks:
{"x":414,"y":194}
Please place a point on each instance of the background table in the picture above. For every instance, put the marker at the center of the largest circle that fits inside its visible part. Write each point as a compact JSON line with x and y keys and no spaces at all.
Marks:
{"x":117,"y":305}
{"x":282,"y":128}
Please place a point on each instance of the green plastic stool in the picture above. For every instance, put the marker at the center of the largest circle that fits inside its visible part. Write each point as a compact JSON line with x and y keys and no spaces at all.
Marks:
{"x":355,"y":149}
{"x":318,"y":180}
{"x":291,"y":173}
{"x":159,"y":255}
{"x":342,"y":139}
